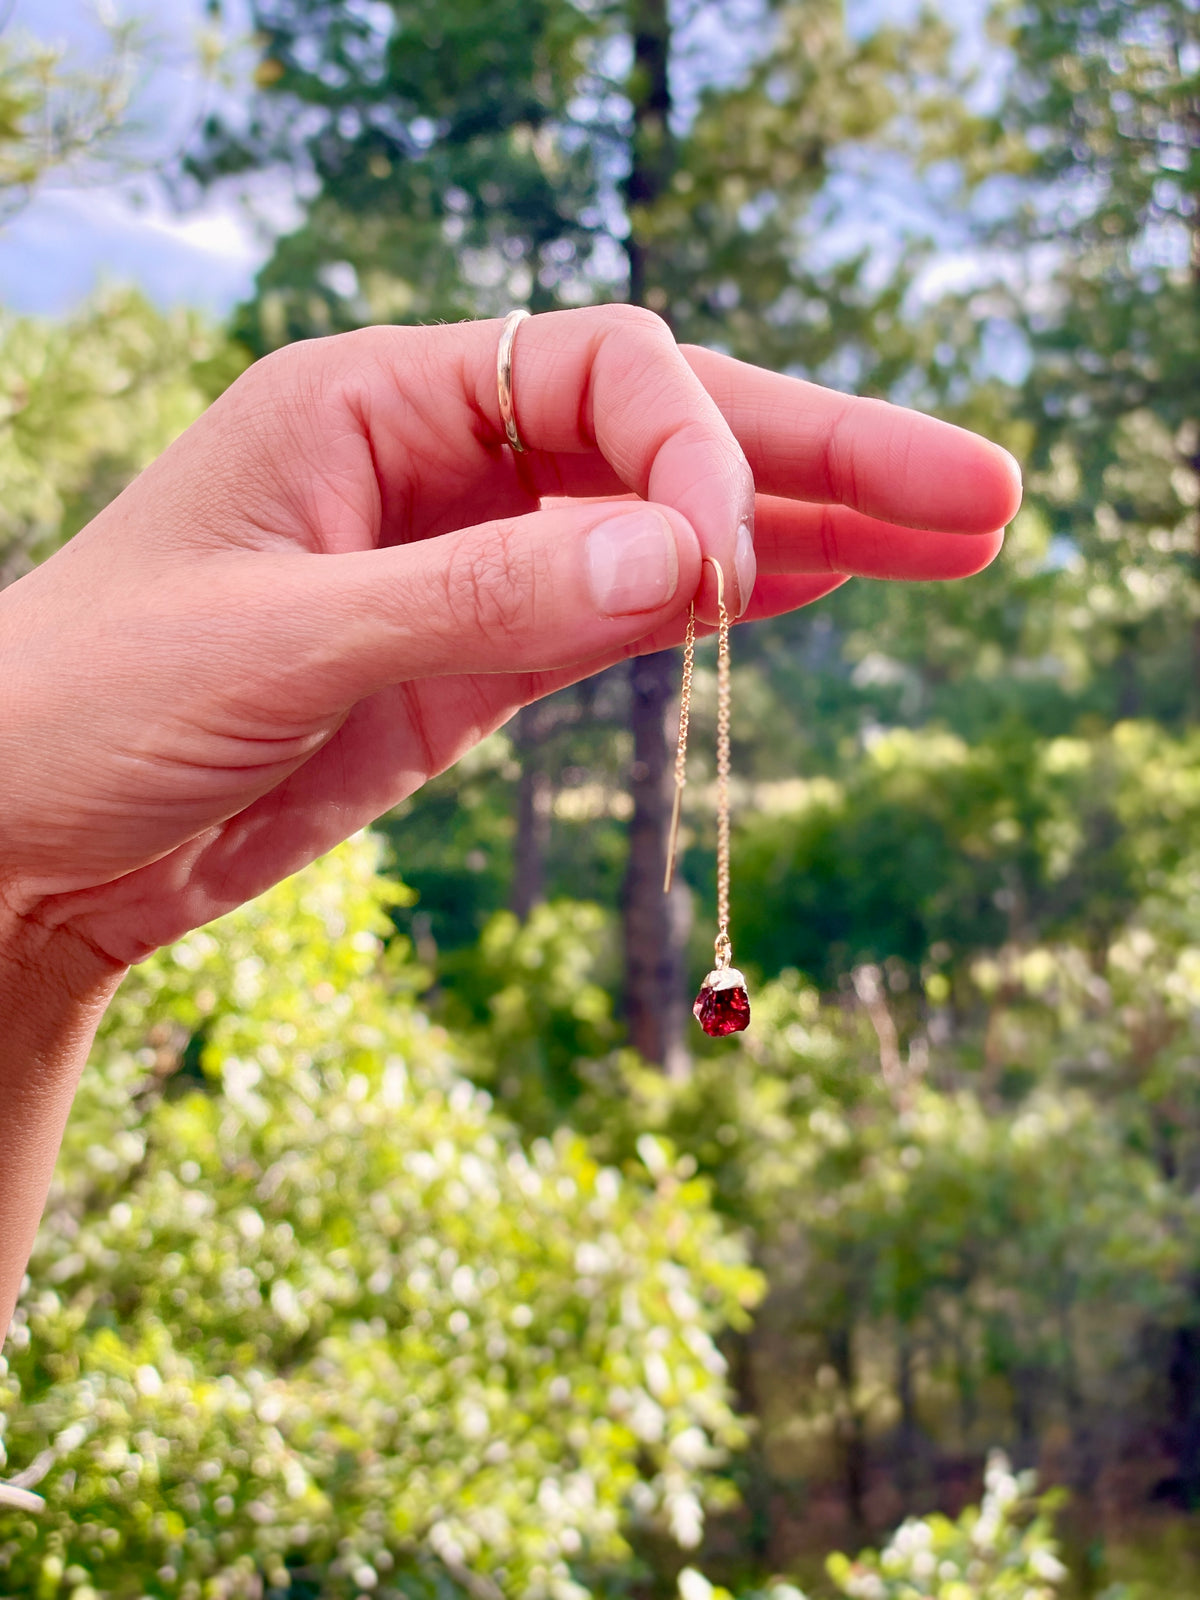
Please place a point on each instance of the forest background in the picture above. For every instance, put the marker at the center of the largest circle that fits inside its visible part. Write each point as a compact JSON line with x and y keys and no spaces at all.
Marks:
{"x":404,"y":1243}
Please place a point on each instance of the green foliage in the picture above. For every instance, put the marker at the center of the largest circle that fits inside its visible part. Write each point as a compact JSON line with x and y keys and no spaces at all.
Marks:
{"x":437,"y":138}
{"x":1084,"y":177}
{"x":86,"y":403}
{"x":1161,"y":1563}
{"x":529,"y":1008}
{"x":997,"y":1221}
{"x":962,"y":1149}
{"x":1002,"y":1549}
{"x":931,"y":848}
{"x":53,"y":114}
{"x":466,"y":160}
{"x":303,"y":1306}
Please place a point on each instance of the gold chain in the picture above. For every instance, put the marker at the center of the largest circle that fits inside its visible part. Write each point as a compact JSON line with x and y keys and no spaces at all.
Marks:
{"x":685,"y":699}
{"x":721,"y":944}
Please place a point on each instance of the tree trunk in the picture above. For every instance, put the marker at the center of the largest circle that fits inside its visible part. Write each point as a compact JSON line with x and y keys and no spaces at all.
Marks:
{"x":851,"y":1432}
{"x":652,"y":155}
{"x":1087,"y":1463}
{"x":756,"y":1484}
{"x":907,"y":1438}
{"x":964,"y":1377}
{"x":534,"y":801}
{"x":1184,"y":1380}
{"x":1191,"y":119}
{"x":1025,"y":1381}
{"x":655,"y":925}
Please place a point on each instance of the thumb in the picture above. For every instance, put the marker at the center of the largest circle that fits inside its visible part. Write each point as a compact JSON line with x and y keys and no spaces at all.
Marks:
{"x":521,"y":594}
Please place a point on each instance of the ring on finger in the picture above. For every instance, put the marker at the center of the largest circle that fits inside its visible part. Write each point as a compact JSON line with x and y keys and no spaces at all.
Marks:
{"x":504,"y":377}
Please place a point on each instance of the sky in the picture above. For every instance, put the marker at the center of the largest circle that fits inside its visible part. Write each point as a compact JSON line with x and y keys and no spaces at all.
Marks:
{"x":70,"y":237}
{"x":73,"y":236}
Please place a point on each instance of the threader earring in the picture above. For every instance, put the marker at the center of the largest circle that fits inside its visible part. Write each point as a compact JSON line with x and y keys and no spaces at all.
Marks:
{"x":722,"y":1006}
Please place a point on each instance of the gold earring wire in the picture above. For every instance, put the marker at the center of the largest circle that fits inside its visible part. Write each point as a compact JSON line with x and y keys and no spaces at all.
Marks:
{"x":722,"y":946}
{"x":685,"y":713}
{"x":722,"y":1006}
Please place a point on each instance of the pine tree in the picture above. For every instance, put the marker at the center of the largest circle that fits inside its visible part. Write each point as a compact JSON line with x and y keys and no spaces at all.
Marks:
{"x":1098,"y":135}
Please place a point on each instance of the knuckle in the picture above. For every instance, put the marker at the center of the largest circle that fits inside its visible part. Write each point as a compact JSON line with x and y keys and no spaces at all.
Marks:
{"x":827,"y":533}
{"x":285,"y":368}
{"x":489,"y":586}
{"x":290,"y":384}
{"x":637,"y":317}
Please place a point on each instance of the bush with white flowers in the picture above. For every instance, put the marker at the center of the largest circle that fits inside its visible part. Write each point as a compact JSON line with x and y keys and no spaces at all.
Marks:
{"x":1002,"y":1549}
{"x":305,"y":1315}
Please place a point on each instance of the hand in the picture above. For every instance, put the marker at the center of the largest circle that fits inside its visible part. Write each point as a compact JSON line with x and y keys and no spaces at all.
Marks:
{"x":340,"y":579}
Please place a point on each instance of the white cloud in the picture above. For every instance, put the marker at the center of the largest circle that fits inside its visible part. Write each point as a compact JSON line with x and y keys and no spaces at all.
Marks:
{"x":70,"y":238}
{"x":67,"y":241}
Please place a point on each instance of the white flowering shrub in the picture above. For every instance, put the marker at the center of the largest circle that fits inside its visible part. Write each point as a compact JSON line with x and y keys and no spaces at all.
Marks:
{"x":306,"y":1317}
{"x":693,"y":1585}
{"x":1002,"y":1549}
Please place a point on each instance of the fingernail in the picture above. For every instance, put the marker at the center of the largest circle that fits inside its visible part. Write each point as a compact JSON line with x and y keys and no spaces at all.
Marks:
{"x":745,"y":565}
{"x":632,"y":563}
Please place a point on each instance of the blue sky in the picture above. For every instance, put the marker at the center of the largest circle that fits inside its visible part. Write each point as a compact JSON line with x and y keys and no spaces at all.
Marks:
{"x":72,"y":236}
{"x":75,"y":234}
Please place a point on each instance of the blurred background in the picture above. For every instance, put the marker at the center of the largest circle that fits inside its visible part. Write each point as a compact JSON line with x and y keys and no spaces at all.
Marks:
{"x":408,"y":1237}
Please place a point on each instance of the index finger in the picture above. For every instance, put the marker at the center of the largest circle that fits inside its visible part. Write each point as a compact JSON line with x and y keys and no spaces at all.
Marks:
{"x":612,"y":379}
{"x":806,"y":442}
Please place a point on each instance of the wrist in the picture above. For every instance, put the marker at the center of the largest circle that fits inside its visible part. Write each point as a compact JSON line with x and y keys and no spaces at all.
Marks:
{"x":49,"y":972}
{"x":54,"y":987}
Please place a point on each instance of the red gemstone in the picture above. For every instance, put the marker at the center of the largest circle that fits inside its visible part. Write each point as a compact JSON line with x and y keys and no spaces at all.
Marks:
{"x":722,"y":1010}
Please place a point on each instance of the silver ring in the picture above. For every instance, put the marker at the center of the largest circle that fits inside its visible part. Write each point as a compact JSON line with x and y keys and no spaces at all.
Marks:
{"x":504,"y":376}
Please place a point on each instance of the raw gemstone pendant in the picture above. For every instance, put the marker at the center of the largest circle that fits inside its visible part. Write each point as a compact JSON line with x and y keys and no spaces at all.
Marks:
{"x":722,"y":1006}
